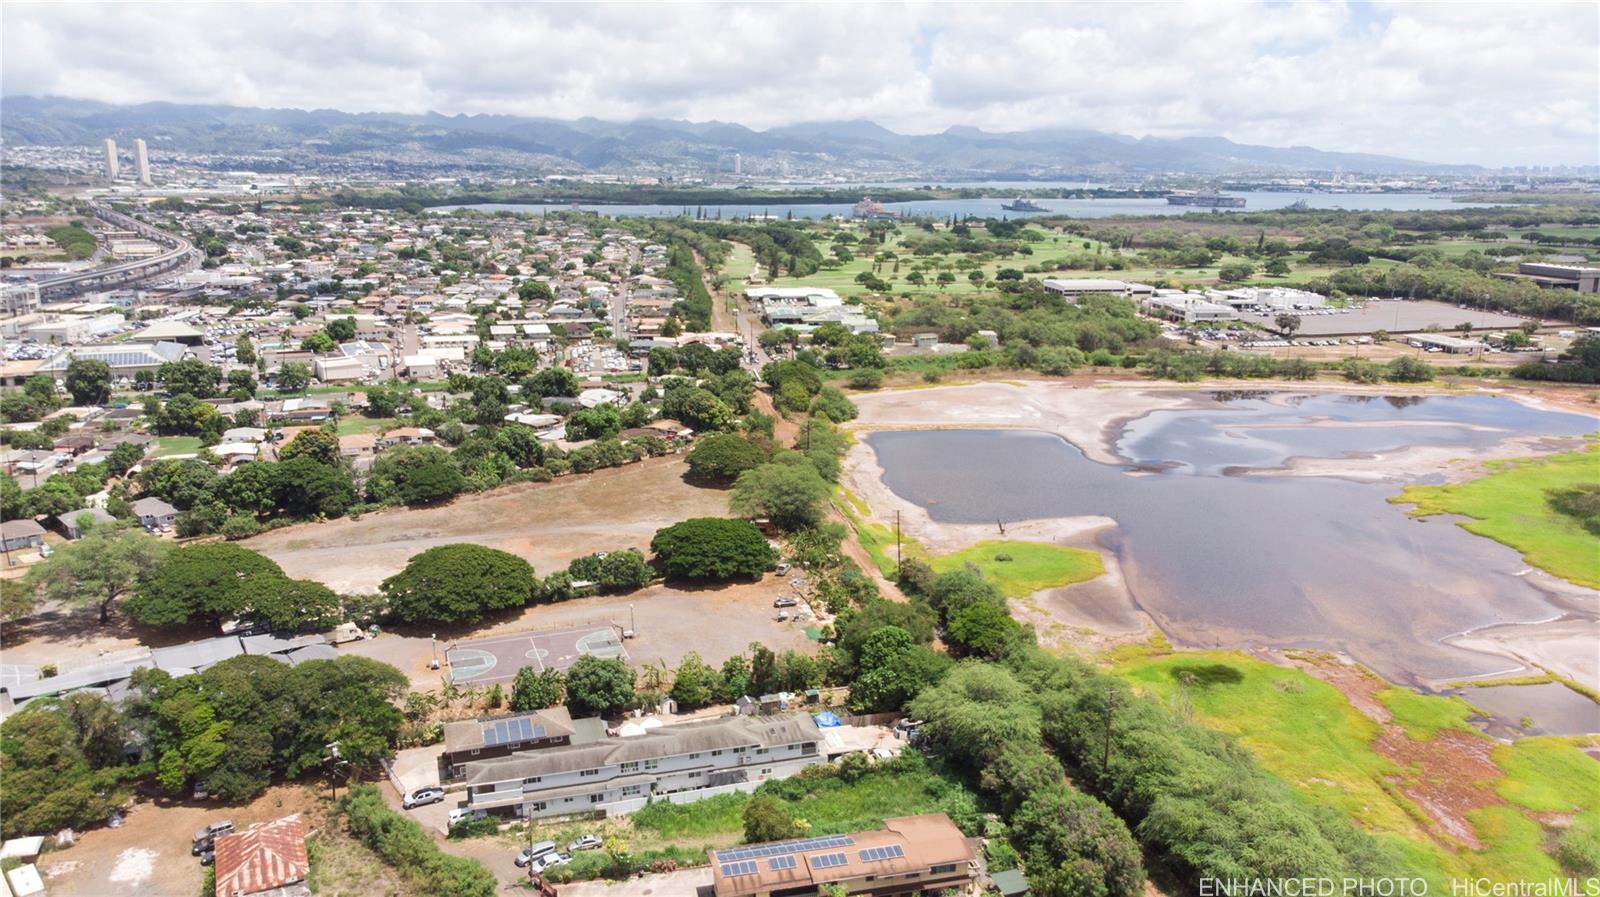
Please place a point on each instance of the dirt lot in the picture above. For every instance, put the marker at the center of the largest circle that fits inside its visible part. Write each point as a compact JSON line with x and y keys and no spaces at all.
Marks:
{"x":548,"y":524}
{"x":669,"y":622}
{"x":149,"y":855}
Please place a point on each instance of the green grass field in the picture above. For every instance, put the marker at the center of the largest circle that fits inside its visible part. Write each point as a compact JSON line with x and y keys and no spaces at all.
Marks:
{"x":827,"y":803}
{"x":740,"y":263}
{"x":1305,"y":731}
{"x":1509,"y":506}
{"x":168,"y":446}
{"x":352,"y":424}
{"x":1030,"y":566}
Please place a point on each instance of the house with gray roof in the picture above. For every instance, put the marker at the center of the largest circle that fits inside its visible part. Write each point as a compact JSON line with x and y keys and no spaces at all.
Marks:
{"x":634,"y":764}
{"x":74,"y":523}
{"x":16,"y":535}
{"x":154,"y":514}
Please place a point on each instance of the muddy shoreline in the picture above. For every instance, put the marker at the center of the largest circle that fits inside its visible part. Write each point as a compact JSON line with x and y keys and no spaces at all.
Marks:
{"x":1106,"y":611}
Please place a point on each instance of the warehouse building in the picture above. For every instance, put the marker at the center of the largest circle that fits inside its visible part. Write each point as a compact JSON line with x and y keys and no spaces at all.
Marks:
{"x":1557,"y":277}
{"x":1074,"y":289}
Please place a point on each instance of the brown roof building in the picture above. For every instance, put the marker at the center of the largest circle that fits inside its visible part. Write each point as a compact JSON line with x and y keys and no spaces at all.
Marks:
{"x":267,"y":861}
{"x":909,"y":855}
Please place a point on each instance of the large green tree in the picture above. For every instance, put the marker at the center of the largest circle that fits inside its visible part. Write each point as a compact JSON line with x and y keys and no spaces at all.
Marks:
{"x":534,"y":690}
{"x":695,"y":683}
{"x":89,"y":381}
{"x":200,"y":582}
{"x":712,"y":548}
{"x":458,"y":584}
{"x":789,"y":492}
{"x":723,"y":456}
{"x":102,"y":566}
{"x":414,"y":475}
{"x":599,"y":685}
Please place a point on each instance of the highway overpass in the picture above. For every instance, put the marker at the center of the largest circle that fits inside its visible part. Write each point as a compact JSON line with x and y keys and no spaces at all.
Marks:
{"x":178,"y":256}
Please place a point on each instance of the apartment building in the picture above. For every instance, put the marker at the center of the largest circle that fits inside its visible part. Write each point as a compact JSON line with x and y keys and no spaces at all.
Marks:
{"x":621,"y":773}
{"x":909,"y":855}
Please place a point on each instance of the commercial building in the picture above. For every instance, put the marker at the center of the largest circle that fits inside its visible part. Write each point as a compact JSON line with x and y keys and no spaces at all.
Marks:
{"x":338,"y":370}
{"x":72,"y":329}
{"x":1557,"y":277}
{"x":1074,"y":289}
{"x":141,"y":158}
{"x":125,"y":359}
{"x":1189,"y":308}
{"x":1270,"y":298}
{"x":1452,"y":344}
{"x":19,"y":298}
{"x":909,"y":855}
{"x":111,"y":158}
{"x":619,"y":773}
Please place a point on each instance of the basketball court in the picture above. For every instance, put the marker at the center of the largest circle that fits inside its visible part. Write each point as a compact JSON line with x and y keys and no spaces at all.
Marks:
{"x":488,"y":661}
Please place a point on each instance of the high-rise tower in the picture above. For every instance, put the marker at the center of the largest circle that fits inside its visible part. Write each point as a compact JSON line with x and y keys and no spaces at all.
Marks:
{"x":141,"y":157}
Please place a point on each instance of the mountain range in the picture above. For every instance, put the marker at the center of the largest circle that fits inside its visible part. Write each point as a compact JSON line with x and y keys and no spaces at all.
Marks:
{"x":590,"y":144}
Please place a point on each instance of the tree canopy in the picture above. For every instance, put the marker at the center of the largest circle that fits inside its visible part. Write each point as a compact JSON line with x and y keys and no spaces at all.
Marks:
{"x":200,"y":582}
{"x":712,"y":548}
{"x":458,"y":584}
{"x":599,"y":685}
{"x":104,"y":564}
{"x":789,"y":492}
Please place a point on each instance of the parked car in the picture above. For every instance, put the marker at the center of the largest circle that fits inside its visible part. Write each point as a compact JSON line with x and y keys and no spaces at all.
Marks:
{"x":551,"y":860}
{"x":781,"y":569}
{"x":535,"y":852}
{"x":784,"y":601}
{"x":422,"y":797}
{"x":204,"y":838}
{"x":208,"y":856}
{"x":585,"y":842}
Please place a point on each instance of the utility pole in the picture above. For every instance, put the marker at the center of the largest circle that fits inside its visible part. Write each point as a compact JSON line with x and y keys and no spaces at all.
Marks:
{"x":1111,"y":704}
{"x":899,"y":559}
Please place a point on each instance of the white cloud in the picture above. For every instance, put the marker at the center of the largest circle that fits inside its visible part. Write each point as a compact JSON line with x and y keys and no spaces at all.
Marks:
{"x":1470,"y":82}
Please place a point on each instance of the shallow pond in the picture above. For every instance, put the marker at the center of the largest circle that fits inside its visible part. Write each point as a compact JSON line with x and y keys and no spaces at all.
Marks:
{"x":1550,"y":708}
{"x":1222,"y":559}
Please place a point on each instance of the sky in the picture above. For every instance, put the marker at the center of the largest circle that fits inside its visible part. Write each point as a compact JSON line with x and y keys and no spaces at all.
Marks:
{"x":1466,"y":82}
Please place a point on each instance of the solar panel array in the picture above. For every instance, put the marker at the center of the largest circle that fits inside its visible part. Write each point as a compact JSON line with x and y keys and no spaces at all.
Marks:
{"x":778,"y":864}
{"x":508,"y":731}
{"x":828,"y":860}
{"x":873,"y":854}
{"x":746,"y":867}
{"x":782,"y":847}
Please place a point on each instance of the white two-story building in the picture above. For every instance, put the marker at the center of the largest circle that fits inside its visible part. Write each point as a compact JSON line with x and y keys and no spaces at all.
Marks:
{"x":621,"y":773}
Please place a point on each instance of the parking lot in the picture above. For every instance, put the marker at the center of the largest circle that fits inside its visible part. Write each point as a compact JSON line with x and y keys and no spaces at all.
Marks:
{"x":1395,"y":316}
{"x":496,"y":660}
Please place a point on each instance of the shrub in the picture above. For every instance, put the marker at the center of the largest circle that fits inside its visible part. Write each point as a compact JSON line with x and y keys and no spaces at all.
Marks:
{"x":408,"y":849}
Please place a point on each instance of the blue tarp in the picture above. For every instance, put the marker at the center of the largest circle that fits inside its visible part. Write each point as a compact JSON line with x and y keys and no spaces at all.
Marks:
{"x":826,"y":719}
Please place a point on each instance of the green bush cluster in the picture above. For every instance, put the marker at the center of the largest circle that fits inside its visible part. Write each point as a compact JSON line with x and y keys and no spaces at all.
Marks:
{"x":405,"y":847}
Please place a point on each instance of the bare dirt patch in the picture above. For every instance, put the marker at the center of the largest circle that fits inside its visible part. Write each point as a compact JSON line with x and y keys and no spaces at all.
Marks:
{"x":1445,"y":776}
{"x":149,"y":855}
{"x":548,"y":524}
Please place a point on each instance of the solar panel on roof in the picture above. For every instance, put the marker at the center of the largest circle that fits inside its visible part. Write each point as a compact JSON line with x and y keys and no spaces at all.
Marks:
{"x":828,"y":860}
{"x":784,"y":862}
{"x":747,"y":867}
{"x":777,"y":847}
{"x":889,"y":852}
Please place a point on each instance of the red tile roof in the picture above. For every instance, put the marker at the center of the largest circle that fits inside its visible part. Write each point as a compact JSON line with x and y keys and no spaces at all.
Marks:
{"x":265,"y":857}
